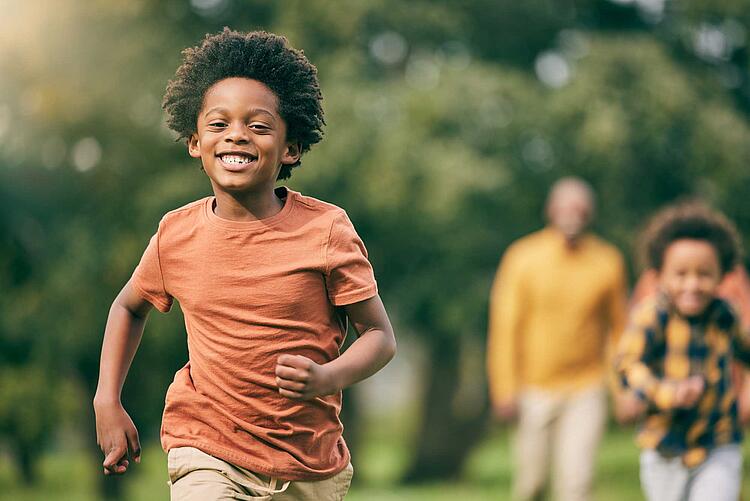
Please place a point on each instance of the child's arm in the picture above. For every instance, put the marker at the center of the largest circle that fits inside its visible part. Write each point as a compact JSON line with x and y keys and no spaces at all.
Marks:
{"x":299,"y":377}
{"x":115,"y":432}
{"x":741,"y":343}
{"x":639,"y":345}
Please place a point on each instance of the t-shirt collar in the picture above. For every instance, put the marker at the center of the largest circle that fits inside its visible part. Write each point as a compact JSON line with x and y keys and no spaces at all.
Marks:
{"x":285,"y":194}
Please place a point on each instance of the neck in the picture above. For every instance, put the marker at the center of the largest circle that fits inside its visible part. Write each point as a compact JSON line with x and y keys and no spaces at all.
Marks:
{"x":246,"y":206}
{"x":572,"y":242}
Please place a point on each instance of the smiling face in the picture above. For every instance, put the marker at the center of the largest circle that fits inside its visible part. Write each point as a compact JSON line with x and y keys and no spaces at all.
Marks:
{"x":241,"y":138}
{"x":690,"y":275}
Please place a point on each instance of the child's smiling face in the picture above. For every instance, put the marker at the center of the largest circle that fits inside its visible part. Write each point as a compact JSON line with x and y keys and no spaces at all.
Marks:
{"x":241,"y":138}
{"x":690,"y":275}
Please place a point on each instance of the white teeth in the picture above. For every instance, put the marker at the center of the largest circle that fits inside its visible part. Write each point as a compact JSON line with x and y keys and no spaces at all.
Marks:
{"x":235,"y":159}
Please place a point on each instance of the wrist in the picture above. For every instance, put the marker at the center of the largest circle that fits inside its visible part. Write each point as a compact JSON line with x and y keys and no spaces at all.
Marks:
{"x":332,"y":382}
{"x":102,"y":400}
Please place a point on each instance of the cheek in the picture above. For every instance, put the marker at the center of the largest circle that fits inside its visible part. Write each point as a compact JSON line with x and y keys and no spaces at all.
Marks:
{"x":709,"y":285}
{"x":673,"y":286}
{"x":672,"y":283}
{"x":270,"y":144}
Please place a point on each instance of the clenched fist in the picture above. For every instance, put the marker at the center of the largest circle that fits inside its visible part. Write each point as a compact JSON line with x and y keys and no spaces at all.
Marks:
{"x":300,"y":378}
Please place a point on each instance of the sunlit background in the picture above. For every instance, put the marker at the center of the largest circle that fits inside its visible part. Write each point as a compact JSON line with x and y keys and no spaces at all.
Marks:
{"x":447,"y":121}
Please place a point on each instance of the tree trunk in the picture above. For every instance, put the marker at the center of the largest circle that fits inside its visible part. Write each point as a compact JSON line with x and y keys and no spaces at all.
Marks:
{"x":112,"y":487}
{"x":448,"y":433}
{"x":27,"y":463}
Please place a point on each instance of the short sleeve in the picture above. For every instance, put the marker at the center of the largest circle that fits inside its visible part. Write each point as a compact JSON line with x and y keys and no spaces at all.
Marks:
{"x":148,"y":280}
{"x":349,"y":274}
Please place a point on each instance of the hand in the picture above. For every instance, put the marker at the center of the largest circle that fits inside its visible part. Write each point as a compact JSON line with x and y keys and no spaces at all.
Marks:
{"x":505,"y":410}
{"x":689,"y":391}
{"x":116,"y":435}
{"x":628,"y":407}
{"x":300,"y":378}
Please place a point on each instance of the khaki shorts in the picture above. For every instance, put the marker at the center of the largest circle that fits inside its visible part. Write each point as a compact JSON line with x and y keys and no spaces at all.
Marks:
{"x":197,"y":476}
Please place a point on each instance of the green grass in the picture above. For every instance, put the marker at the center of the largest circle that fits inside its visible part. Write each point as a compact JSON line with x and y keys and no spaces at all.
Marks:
{"x":488,"y":472}
{"x":71,"y":476}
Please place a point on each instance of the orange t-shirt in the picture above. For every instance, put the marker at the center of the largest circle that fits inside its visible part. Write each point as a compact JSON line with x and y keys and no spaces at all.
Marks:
{"x":251,"y":291}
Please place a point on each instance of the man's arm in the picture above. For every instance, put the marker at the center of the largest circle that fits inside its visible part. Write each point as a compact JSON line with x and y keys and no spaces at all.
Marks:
{"x":503,"y":339}
{"x":298,"y":377}
{"x":115,"y":432}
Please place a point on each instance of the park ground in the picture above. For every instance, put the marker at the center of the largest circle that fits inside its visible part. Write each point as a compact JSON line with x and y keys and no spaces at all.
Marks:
{"x":70,"y":475}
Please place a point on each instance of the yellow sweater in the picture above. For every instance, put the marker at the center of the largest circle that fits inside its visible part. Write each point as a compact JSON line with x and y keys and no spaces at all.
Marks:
{"x":553,"y":310}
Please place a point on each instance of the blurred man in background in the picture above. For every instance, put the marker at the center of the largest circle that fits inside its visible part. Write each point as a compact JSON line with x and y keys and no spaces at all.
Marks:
{"x":558,"y":299}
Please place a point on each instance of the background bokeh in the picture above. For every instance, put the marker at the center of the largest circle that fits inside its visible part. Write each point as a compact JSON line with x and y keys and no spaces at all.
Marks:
{"x":447,"y":120}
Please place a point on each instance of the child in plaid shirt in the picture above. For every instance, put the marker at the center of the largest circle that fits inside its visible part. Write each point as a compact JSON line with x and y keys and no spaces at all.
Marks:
{"x":676,"y":357}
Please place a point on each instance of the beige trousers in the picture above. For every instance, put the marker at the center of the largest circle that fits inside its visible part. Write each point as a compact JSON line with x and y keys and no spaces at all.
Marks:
{"x":561,"y":430}
{"x":197,"y":476}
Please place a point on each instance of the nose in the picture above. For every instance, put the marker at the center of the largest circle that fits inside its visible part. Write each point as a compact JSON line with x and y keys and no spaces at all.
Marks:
{"x":237,"y":133}
{"x":692,"y":283}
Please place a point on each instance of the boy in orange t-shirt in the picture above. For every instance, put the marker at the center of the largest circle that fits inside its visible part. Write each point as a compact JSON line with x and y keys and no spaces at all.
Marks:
{"x":266,"y":279}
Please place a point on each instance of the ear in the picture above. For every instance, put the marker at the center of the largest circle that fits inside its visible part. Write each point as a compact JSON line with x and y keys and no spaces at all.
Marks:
{"x":547,"y":212}
{"x":194,"y":146}
{"x":291,"y":154}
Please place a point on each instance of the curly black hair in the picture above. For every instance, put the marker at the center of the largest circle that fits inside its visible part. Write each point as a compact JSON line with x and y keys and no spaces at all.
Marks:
{"x":690,"y":220}
{"x":258,"y":55}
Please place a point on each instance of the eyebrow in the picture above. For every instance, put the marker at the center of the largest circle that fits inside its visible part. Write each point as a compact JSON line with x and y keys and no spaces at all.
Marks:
{"x":253,"y":111}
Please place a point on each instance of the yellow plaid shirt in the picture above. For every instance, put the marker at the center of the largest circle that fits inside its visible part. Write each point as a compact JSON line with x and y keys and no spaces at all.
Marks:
{"x":660,"y":348}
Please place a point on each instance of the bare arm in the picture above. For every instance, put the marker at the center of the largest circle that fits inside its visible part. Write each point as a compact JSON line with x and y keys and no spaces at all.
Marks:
{"x":299,"y":377}
{"x":115,"y":432}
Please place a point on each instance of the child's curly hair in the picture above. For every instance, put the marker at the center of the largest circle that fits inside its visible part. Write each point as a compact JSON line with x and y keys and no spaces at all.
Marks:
{"x":690,"y":220}
{"x":258,"y":55}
